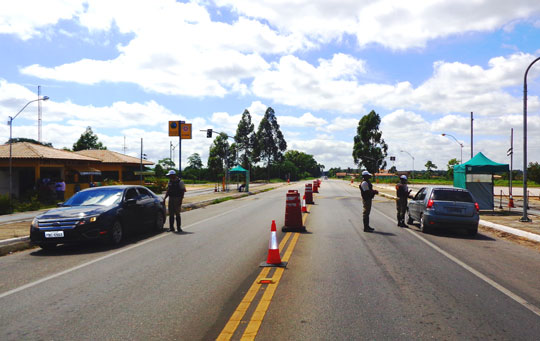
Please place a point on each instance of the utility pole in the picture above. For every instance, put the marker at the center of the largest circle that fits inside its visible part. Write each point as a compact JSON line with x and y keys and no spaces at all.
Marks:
{"x":525,"y":218}
{"x":39,"y":112}
{"x":472,"y":154}
{"x":511,"y":152}
{"x":140,"y":176}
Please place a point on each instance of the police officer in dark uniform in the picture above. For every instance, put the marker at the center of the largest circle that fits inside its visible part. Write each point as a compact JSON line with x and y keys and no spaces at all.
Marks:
{"x":175,"y":193}
{"x":403,"y":194}
{"x":367,"y":191}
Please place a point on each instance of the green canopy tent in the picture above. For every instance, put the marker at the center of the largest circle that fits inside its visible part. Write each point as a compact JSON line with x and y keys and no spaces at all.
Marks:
{"x":238,"y":170}
{"x":476,"y":175}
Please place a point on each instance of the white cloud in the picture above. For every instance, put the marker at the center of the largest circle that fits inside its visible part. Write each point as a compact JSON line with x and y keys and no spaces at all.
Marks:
{"x":330,"y":86}
{"x":27,"y":18}
{"x":306,"y":120}
{"x":390,"y":23}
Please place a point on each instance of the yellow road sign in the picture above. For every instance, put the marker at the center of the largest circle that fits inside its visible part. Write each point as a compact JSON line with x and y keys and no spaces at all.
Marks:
{"x":174,"y":128}
{"x":185,"y":131}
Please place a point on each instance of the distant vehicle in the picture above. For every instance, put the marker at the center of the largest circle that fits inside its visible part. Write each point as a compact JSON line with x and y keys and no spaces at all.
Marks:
{"x":325,"y":178}
{"x":99,"y":213}
{"x":444,"y":206}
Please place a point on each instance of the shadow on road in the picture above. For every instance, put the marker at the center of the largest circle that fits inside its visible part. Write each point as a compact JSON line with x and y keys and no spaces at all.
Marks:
{"x":98,"y":246}
{"x":449,"y":232}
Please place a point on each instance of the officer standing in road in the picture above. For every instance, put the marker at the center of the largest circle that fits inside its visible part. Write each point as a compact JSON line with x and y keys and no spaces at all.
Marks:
{"x":175,"y":193}
{"x":367,"y":191}
{"x":402,"y":193}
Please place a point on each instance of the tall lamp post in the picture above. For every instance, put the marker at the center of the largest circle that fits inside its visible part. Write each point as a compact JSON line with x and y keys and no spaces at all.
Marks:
{"x":404,"y":151}
{"x":460,"y":144}
{"x":10,"y":123}
{"x":525,"y":218}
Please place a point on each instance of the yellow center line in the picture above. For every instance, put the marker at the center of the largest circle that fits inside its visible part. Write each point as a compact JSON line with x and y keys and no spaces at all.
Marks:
{"x":256,"y":320}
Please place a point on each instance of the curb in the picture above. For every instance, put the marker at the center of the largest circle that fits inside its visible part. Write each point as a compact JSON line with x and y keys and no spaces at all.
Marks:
{"x":531,"y":236}
{"x":511,"y":230}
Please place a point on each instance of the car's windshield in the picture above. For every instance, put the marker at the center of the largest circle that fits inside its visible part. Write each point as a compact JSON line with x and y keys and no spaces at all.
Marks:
{"x":451,"y":195}
{"x":101,"y":197}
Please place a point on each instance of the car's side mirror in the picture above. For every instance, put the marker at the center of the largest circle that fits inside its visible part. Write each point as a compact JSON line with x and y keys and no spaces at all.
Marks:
{"x":60,"y":204}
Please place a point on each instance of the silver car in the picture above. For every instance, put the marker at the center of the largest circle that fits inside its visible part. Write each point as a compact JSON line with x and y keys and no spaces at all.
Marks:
{"x":444,"y":206}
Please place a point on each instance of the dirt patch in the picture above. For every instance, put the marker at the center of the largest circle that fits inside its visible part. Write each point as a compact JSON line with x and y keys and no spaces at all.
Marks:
{"x":14,"y":230}
{"x":510,"y":237}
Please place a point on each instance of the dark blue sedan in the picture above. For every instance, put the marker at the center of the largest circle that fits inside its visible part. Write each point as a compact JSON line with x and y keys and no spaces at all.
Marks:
{"x":99,"y":213}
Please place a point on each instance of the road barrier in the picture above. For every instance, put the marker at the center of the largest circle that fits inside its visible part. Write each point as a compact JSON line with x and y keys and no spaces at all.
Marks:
{"x":315,"y":187}
{"x":309,"y":195}
{"x":293,"y":213}
{"x":273,"y":259}
{"x":304,"y":207}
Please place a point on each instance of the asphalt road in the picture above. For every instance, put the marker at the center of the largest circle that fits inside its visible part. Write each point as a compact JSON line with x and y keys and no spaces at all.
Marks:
{"x":340,"y":283}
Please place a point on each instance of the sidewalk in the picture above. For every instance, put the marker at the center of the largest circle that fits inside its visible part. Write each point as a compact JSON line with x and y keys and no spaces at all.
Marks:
{"x":504,"y":221}
{"x":14,"y":228}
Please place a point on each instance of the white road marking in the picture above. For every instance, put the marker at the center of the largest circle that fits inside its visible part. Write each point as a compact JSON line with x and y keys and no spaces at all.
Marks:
{"x":39,"y":281}
{"x":478,"y":274}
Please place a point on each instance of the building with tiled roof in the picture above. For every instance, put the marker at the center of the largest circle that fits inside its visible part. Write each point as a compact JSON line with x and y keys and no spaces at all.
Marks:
{"x":33,"y":163}
{"x":115,"y":166}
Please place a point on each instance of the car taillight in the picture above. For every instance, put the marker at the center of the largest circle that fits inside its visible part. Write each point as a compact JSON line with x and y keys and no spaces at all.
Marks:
{"x":477,"y":207}
{"x":430,"y":203}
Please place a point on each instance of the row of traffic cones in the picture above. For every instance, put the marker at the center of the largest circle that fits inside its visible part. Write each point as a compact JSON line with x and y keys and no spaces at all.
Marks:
{"x":274,"y":259}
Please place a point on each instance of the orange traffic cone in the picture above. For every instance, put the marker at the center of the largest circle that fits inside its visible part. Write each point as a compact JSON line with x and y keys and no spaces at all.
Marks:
{"x":273,"y":259}
{"x":304,"y":208}
{"x":511,"y":202}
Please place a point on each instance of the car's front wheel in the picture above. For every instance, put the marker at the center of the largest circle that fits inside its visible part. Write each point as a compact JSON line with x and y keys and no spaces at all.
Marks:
{"x":160,"y":220}
{"x":116,"y":234}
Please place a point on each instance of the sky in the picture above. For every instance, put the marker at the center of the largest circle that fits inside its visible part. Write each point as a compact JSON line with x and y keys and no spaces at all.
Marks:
{"x":127,"y":68}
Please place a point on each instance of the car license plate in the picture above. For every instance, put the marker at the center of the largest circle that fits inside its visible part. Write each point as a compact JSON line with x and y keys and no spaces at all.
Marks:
{"x":455,"y":209}
{"x":54,"y":234}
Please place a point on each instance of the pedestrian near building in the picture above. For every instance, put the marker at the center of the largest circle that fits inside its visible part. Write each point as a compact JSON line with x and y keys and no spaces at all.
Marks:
{"x":175,"y":193}
{"x":403,"y":194}
{"x":368,"y":193}
{"x":60,"y":188}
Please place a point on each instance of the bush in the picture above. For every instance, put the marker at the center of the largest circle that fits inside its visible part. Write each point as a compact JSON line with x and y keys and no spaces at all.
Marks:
{"x":33,"y":204}
{"x":4,"y":204}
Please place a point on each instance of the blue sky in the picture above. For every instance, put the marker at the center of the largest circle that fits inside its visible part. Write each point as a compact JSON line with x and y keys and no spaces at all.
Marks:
{"x":126,"y":68}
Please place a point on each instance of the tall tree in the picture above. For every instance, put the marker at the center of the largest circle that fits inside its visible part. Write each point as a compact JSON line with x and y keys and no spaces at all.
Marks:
{"x":194,"y":161}
{"x":245,"y":139}
{"x":430,"y":166}
{"x":369,"y":148}
{"x":88,"y":140}
{"x":450,"y":165}
{"x":269,"y":141}
{"x":304,"y":162}
{"x":163,"y":166}
{"x":219,"y":151}
{"x":534,"y":171}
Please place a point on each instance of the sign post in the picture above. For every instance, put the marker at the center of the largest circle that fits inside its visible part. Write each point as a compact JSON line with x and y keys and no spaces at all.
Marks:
{"x":183,"y":131}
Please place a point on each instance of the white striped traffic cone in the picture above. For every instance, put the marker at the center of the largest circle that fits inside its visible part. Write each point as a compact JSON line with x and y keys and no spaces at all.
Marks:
{"x":304,"y":208}
{"x":273,"y":259}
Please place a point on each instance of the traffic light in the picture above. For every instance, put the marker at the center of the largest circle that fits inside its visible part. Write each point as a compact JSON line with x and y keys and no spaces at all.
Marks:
{"x":208,"y":133}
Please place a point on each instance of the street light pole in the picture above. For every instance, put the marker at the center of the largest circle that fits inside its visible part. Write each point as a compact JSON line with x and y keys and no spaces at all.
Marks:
{"x":10,"y":122}
{"x":525,"y":218}
{"x":404,"y":151}
{"x":460,"y":144}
